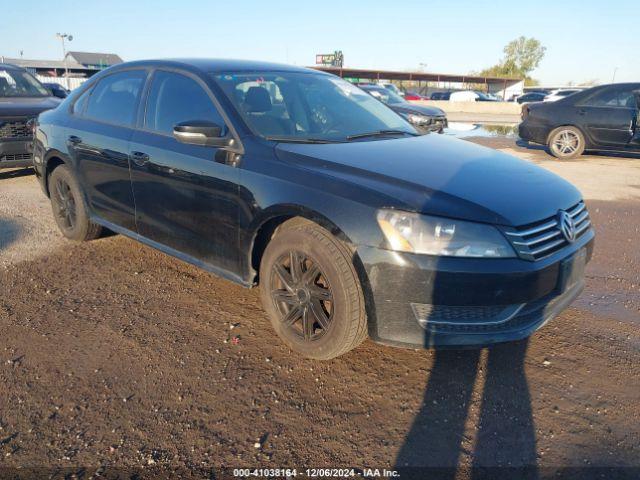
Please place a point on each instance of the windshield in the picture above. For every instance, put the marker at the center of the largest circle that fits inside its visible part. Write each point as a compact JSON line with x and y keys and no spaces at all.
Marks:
{"x":300,"y":106}
{"x":16,"y":83}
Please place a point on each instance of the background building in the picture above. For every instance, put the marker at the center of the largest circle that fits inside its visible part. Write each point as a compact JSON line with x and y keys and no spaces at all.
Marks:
{"x":71,"y":72}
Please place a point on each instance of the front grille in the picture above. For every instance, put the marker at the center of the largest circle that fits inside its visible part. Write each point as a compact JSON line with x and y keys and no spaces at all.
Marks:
{"x":541,"y":239}
{"x":15,"y":157}
{"x":14,"y":129}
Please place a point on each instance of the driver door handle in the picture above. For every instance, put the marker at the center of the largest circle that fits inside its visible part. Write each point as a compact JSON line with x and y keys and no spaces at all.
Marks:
{"x":139,"y":158}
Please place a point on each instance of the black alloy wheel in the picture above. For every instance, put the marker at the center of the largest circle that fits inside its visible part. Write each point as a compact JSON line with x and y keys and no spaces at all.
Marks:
{"x":302,"y":295}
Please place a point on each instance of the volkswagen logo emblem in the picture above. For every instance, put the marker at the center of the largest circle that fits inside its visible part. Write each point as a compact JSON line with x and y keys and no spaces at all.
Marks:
{"x":566,"y":226}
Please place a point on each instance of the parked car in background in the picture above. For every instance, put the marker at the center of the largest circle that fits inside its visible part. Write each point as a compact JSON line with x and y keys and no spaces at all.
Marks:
{"x":440,"y":95}
{"x":531,"y":97}
{"x":555,"y":95}
{"x":470,"y":96}
{"x":424,"y":118}
{"x":22,"y":98}
{"x":413,"y":96}
{"x":600,"y":118}
{"x":351,"y":223}
{"x":57,"y":90}
{"x":391,"y":87}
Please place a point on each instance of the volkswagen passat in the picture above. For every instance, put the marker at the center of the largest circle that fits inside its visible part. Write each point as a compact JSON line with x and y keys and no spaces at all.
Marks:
{"x":303,"y":184}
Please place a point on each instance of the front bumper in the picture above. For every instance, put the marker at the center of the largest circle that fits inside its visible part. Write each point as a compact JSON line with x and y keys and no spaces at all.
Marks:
{"x":437,"y":124}
{"x":16,"y":153}
{"x":423,"y":301}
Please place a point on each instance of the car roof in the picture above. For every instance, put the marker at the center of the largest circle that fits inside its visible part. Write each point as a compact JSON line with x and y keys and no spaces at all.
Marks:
{"x":10,"y":66}
{"x":217,"y":65}
{"x":371,"y":86}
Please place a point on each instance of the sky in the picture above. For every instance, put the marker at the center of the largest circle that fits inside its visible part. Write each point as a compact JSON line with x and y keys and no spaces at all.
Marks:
{"x":586,"y":40}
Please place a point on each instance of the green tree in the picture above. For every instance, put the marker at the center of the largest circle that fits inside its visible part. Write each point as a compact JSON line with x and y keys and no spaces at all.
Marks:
{"x":521,"y":57}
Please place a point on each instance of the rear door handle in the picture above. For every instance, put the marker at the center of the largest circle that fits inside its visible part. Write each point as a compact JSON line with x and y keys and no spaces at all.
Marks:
{"x":140,"y":158}
{"x":582,"y":111}
{"x":74,"y":140}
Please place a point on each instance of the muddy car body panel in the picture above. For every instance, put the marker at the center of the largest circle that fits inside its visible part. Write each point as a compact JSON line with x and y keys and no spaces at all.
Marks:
{"x":217,"y":206}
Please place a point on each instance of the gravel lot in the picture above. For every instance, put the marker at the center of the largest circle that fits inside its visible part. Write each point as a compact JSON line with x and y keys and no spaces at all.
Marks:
{"x":116,"y":355}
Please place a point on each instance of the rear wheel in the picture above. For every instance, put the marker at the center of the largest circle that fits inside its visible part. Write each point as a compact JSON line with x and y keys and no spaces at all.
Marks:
{"x":566,"y":142}
{"x":311,"y":291}
{"x":69,"y":209}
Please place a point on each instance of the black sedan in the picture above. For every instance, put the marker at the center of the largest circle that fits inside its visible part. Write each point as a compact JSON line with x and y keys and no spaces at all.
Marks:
{"x":600,"y":118}
{"x":351,"y":223}
{"x":424,"y":118}
{"x":531,"y":97}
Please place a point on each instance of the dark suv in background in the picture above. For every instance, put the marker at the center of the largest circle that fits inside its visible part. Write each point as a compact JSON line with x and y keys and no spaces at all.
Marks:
{"x":22,"y":98}
{"x":295,"y":180}
{"x":425,"y":118}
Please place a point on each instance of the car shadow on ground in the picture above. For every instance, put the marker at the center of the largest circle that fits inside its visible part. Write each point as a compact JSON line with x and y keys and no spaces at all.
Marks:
{"x":524,"y":145}
{"x":505,"y":440}
{"x":15,"y":173}
{"x":9,"y":232}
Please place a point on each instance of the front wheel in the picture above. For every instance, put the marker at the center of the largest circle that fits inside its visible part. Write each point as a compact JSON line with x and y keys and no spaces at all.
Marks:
{"x":311,"y":291}
{"x":566,"y":142}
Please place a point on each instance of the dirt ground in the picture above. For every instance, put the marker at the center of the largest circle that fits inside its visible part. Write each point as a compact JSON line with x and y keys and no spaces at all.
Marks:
{"x":115,"y":355}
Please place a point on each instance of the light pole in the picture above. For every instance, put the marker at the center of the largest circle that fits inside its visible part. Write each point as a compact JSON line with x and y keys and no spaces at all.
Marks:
{"x":614,"y":75}
{"x":62,"y":36}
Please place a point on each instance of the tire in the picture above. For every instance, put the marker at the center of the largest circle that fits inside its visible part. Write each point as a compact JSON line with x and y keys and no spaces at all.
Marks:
{"x":69,"y":208}
{"x":317,"y":309}
{"x":566,"y":142}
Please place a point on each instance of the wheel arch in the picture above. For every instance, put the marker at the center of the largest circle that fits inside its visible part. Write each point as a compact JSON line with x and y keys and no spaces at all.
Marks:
{"x":53,"y":160}
{"x":274,"y":218}
{"x":263,"y":229}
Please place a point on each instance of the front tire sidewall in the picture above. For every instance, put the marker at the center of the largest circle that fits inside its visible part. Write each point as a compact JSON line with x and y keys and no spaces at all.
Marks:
{"x":579,"y":150}
{"x":332,"y":343}
{"x":82,"y":225}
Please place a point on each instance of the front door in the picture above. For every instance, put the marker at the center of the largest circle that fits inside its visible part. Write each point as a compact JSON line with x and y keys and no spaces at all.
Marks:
{"x":98,"y":136}
{"x":186,"y":195}
{"x":609,"y":116}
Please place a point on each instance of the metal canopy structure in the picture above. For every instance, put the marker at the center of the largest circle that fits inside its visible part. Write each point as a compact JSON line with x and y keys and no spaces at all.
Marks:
{"x":418,"y":76}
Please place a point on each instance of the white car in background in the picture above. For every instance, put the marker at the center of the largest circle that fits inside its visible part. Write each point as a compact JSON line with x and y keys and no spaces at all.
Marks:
{"x":470,"y":96}
{"x":555,"y":95}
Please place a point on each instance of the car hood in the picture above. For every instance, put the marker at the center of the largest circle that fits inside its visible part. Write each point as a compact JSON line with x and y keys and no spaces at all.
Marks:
{"x":440,"y":175}
{"x":26,"y":107}
{"x":408,"y":108}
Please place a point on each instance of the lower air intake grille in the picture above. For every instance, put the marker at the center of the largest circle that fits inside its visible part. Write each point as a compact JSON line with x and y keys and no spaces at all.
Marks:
{"x":541,"y":239}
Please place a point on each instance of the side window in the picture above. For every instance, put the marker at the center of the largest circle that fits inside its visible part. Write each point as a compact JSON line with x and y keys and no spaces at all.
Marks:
{"x":81,"y":103}
{"x":175,"y":98}
{"x":115,"y":98}
{"x":612,"y":98}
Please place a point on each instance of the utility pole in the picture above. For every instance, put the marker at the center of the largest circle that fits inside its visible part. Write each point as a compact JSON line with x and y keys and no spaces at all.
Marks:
{"x":62,"y":36}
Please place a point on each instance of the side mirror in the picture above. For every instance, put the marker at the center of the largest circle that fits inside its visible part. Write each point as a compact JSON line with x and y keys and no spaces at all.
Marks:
{"x":201,"y":132}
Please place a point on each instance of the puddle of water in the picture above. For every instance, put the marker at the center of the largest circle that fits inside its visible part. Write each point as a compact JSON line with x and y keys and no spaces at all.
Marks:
{"x":463,"y":129}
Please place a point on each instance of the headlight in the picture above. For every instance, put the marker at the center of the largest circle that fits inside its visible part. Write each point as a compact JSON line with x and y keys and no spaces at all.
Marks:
{"x":418,"y":119}
{"x":412,"y":232}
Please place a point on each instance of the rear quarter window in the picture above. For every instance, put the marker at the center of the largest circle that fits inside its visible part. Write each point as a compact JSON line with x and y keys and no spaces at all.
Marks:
{"x":115,"y":98}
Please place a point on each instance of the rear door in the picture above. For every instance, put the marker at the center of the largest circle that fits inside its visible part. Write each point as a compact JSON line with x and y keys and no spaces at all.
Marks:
{"x":98,"y":136}
{"x":609,"y":116}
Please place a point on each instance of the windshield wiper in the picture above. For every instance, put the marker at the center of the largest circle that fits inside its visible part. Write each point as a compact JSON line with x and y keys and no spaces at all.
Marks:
{"x":380,"y":133}
{"x":298,"y":140}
